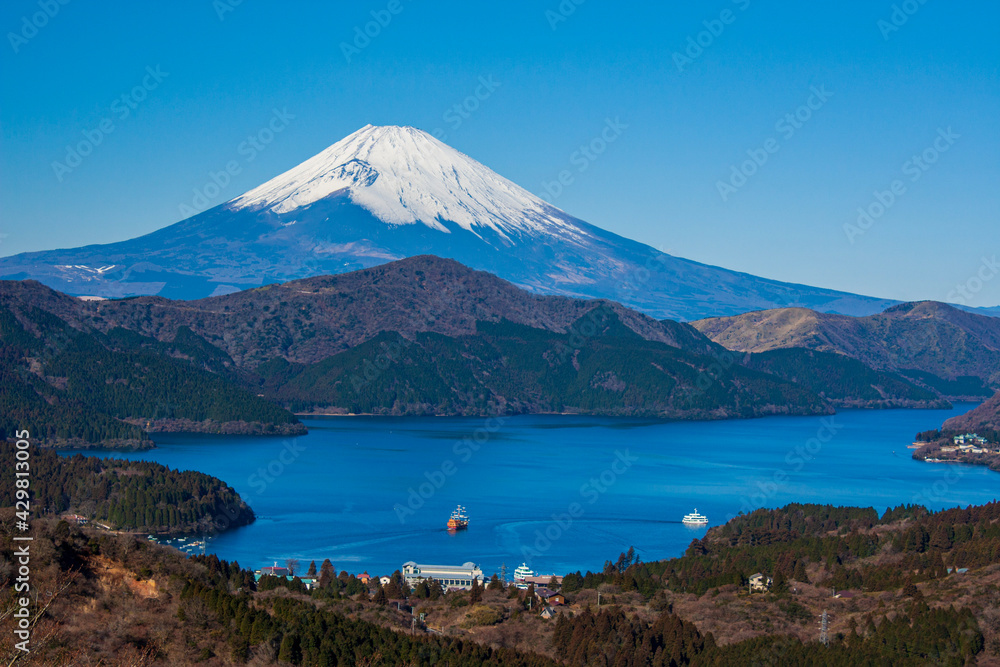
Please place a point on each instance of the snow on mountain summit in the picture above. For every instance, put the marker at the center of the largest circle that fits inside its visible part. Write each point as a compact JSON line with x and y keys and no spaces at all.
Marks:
{"x":403,"y":175}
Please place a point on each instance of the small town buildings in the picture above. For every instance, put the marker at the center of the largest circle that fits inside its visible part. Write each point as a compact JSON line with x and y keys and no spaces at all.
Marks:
{"x":548,"y":613}
{"x":542,"y":580}
{"x":278,"y":571}
{"x":384,"y":580}
{"x":458,"y":577}
{"x":274,"y":570}
{"x":549,"y":596}
{"x":758,"y":582}
{"x":970,"y":439}
{"x":308,"y":582}
{"x":76,"y":518}
{"x":364,"y":577}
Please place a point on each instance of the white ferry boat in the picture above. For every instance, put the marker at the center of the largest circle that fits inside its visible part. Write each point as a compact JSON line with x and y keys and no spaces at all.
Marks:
{"x":522,"y":573}
{"x":695,"y":519}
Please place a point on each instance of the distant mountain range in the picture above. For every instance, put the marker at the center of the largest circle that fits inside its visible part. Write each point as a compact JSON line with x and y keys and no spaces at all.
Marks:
{"x":427,"y":335}
{"x":951,"y":352}
{"x":386,"y":193}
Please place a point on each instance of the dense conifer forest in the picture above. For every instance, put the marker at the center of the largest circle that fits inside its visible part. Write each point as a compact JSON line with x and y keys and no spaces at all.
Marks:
{"x":511,"y":368}
{"x":73,"y":387}
{"x":126,"y":495}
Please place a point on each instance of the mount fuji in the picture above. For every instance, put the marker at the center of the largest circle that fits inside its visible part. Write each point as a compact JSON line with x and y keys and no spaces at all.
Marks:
{"x":384,"y":193}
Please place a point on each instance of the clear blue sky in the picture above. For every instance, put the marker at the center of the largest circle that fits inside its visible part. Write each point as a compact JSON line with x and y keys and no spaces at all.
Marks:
{"x":892,"y":91}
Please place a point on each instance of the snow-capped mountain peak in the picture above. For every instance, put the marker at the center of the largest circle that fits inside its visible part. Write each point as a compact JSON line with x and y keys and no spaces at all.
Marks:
{"x":403,"y":175}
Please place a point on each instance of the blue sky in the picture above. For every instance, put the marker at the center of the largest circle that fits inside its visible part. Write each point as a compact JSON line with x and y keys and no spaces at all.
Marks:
{"x":198,"y":78}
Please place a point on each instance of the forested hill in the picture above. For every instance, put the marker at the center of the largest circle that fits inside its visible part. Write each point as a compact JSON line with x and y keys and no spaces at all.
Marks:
{"x":126,"y":495}
{"x":913,"y":587}
{"x":423,"y":335}
{"x":78,"y":386}
{"x":984,"y":419}
{"x":844,"y":381}
{"x":461,"y":342}
{"x":507,"y":367}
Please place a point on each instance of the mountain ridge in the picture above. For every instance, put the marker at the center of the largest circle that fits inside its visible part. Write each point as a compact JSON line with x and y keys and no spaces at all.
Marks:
{"x":441,"y":338}
{"x":914,"y":339}
{"x":449,"y":297}
{"x":427,"y":335}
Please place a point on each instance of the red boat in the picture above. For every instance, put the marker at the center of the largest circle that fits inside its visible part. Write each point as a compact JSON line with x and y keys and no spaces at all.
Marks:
{"x":458,"y":520}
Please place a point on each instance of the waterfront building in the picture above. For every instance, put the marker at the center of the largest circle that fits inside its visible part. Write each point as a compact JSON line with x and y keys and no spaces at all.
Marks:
{"x":450,"y":576}
{"x":274,"y":570}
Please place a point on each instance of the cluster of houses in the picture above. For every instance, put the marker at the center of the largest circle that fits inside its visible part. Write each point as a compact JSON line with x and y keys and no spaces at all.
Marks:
{"x":461,"y":578}
{"x":278,"y":571}
{"x":451,"y":578}
{"x":969,"y":443}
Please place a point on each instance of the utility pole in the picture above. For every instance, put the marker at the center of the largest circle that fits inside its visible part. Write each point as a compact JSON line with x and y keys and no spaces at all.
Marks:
{"x":598,"y":600}
{"x":503,"y":574}
{"x":824,"y":625}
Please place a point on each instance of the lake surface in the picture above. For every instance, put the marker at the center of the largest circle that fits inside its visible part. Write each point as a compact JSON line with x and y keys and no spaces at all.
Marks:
{"x":564,"y":493}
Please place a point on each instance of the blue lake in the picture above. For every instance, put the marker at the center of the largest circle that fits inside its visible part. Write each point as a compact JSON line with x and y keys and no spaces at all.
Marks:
{"x":561,"y":492}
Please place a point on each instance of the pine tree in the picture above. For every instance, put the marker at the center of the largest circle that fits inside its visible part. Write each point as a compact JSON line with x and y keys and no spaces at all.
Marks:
{"x":800,"y":573}
{"x":326,"y":574}
{"x":910,"y":590}
{"x":289,"y":651}
{"x":941,"y":538}
{"x":780,"y":584}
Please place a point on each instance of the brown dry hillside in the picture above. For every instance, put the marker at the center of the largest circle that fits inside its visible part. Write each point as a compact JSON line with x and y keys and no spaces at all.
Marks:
{"x":914,"y":338}
{"x":985,"y":417}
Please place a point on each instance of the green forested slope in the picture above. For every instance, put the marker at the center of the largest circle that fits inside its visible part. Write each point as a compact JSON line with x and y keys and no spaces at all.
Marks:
{"x":125,"y":495}
{"x":509,"y":367}
{"x":71,"y":386}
